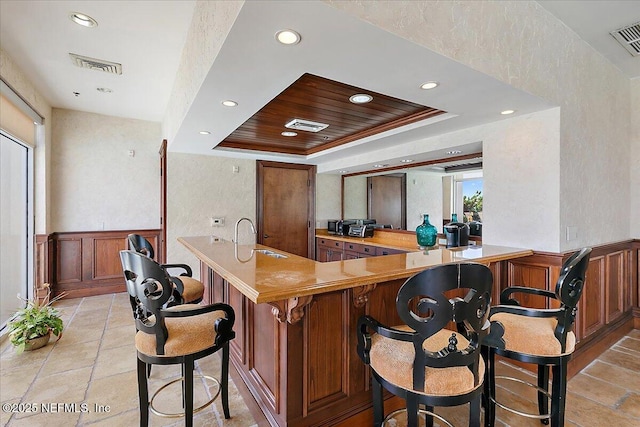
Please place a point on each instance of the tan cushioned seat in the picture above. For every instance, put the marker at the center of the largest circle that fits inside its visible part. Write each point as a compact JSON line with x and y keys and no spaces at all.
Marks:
{"x":193,"y":288}
{"x":186,"y":335}
{"x":393,"y":361}
{"x":532,"y":335}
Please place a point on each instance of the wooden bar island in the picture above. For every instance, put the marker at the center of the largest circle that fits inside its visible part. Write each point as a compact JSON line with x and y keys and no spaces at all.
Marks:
{"x":295,"y":345}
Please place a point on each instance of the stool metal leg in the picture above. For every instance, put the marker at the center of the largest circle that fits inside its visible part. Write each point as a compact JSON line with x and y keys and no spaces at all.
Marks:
{"x":143,"y":393}
{"x":378,"y":403}
{"x":412,"y":411}
{"x":558,"y":393}
{"x":474,"y":412}
{"x":543,"y":383}
{"x":489,"y":387}
{"x":224,"y":381}
{"x":188,"y":391}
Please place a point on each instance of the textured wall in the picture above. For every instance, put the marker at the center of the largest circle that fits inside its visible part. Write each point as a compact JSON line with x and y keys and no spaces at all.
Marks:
{"x":210,"y":25}
{"x":424,"y":195}
{"x":635,"y":158}
{"x":201,"y":187}
{"x":95,"y":184}
{"x":18,"y":81}
{"x":328,"y":198}
{"x":355,"y":197}
{"x":522,"y":44}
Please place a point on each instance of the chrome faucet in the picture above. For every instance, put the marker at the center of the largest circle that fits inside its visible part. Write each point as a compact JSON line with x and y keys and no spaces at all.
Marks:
{"x":235,"y":230}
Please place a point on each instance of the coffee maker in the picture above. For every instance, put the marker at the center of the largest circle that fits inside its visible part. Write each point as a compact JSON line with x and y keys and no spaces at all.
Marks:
{"x":457,"y":233}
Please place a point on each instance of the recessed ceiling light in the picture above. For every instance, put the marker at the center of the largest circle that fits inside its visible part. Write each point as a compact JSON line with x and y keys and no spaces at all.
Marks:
{"x":406,"y":160}
{"x":229,"y":103}
{"x":507,"y":112}
{"x":454,"y":152}
{"x":205,"y":132}
{"x":82,"y":19}
{"x":343,"y":171}
{"x":104,"y":89}
{"x":429,"y":85}
{"x":360,"y":98}
{"x":289,"y":133}
{"x":380,"y":165}
{"x":288,"y":37}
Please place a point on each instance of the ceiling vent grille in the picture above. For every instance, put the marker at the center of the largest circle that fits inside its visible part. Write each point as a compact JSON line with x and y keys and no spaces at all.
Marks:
{"x":306,"y":125}
{"x":629,"y":38}
{"x":96,"y":64}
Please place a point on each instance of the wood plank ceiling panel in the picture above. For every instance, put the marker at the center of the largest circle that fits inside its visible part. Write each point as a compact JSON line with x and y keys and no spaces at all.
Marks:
{"x":326,"y":101}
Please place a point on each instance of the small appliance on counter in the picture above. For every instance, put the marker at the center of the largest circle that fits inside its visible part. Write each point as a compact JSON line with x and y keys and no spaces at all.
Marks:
{"x":457,"y":233}
{"x":361,"y":230}
{"x":341,"y":227}
{"x":475,"y":228}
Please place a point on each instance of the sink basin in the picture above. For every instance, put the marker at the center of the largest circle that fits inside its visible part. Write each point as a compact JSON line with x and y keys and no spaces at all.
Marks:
{"x":270,"y":253}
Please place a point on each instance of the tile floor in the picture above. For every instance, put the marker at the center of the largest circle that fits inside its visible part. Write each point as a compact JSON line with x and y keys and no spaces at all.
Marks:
{"x":94,"y":365}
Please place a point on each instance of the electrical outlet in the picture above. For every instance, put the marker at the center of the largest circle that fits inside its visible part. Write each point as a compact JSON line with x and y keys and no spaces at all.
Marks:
{"x":572,"y":233}
{"x":217,"y":222}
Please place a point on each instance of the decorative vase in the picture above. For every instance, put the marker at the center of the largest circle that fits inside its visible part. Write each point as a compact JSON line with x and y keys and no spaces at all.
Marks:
{"x":426,"y":233}
{"x":36,"y":343}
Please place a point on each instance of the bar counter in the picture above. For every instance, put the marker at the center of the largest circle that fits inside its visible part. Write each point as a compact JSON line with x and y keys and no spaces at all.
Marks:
{"x":264,"y":278}
{"x":295,"y":345}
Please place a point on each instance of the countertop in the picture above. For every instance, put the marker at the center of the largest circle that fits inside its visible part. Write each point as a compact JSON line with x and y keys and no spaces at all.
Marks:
{"x":263,"y":278}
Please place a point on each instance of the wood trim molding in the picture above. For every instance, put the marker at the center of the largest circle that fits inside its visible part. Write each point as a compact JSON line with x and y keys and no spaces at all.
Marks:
{"x":361,"y":294}
{"x":87,"y":263}
{"x":290,"y":310}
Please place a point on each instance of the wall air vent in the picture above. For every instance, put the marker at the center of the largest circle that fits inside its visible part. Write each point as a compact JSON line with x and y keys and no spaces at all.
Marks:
{"x":629,"y":38}
{"x":96,"y":64}
{"x":306,"y":125}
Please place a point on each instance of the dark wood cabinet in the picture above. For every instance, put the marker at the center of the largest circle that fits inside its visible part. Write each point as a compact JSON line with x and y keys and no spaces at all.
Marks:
{"x":357,"y":250}
{"x":329,"y":250}
{"x":335,"y":250}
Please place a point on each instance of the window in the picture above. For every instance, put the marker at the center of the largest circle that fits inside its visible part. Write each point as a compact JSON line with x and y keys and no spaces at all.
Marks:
{"x":468,"y":196}
{"x":16,"y":228}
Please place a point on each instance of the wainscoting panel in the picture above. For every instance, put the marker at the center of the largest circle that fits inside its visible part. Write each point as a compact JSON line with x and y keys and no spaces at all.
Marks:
{"x":84,"y":263}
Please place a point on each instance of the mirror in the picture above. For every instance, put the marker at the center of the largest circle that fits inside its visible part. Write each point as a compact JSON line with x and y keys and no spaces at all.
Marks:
{"x":436,"y":189}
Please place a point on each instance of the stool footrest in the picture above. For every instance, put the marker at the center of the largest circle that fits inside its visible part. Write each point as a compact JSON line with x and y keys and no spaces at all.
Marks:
{"x":182,"y":414}
{"x":515,"y":411}
{"x":421,"y":411}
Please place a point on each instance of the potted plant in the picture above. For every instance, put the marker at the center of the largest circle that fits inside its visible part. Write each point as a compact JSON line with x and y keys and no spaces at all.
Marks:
{"x":33,"y":325}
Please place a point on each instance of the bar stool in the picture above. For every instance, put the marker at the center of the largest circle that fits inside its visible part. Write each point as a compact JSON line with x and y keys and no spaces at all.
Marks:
{"x":175,"y":335}
{"x":543,"y":337}
{"x":422,"y":361}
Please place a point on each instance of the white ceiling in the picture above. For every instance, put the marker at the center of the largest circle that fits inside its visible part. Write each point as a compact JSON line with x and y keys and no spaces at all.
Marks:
{"x":594,"y":20}
{"x":147,"y":37}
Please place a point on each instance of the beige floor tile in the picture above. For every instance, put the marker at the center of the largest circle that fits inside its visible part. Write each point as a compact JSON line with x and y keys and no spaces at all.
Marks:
{"x":116,"y":360}
{"x":118,"y":337}
{"x":586,"y":412}
{"x":64,"y":388}
{"x":118,"y":392}
{"x":599,"y":391}
{"x":621,"y":359}
{"x":15,"y":382}
{"x":70,"y":357}
{"x":631,"y":406}
{"x":49,"y":419}
{"x":614,"y":374}
{"x":630,"y":343}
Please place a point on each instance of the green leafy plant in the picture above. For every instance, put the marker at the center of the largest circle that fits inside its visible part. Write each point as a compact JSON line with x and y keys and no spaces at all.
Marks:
{"x":35,"y":320}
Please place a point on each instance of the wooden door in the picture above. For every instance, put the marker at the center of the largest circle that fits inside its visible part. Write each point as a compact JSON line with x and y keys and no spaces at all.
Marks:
{"x":387,"y":200}
{"x":286,"y":207}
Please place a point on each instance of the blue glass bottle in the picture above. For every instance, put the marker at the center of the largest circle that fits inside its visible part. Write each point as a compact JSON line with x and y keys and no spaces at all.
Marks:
{"x":426,"y":233}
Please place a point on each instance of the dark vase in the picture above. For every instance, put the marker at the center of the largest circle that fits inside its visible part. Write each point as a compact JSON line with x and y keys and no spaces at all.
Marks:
{"x":426,"y":233}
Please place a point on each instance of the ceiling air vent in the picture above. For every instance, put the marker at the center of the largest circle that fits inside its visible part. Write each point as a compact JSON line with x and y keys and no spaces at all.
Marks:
{"x":629,"y":38}
{"x":96,"y":64}
{"x":306,"y":125}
